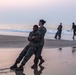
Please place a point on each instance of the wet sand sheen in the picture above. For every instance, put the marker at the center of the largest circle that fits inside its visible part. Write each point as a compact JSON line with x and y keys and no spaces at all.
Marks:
{"x":57,"y":62}
{"x":60,"y":58}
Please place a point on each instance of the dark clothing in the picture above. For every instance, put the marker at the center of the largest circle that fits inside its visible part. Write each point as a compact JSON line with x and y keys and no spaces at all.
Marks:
{"x":74,"y":29}
{"x":38,"y":56}
{"x":74,"y":32}
{"x":36,"y":41}
{"x":30,"y":49}
{"x":59,"y":31}
{"x":42,"y":31}
{"x":59,"y":28}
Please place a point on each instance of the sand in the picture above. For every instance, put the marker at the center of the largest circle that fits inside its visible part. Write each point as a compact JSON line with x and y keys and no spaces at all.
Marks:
{"x":21,"y":42}
{"x":59,"y":56}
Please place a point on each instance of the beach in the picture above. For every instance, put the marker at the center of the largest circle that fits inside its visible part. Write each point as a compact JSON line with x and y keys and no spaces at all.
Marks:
{"x":59,"y":56}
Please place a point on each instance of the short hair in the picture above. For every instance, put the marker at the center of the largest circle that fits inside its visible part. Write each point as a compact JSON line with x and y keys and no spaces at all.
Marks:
{"x":36,"y":26}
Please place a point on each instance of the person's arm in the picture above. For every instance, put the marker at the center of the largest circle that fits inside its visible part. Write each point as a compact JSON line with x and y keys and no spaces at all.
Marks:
{"x":43,"y":32}
{"x":36,"y":37}
{"x":30,"y":37}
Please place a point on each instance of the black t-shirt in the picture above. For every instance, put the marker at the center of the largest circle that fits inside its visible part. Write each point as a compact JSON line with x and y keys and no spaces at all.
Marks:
{"x":74,"y":27}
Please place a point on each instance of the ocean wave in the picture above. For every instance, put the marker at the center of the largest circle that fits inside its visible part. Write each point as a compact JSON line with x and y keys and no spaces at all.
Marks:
{"x":67,"y":32}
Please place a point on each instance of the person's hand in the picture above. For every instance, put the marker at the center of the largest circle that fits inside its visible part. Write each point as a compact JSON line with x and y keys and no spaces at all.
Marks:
{"x":33,"y":37}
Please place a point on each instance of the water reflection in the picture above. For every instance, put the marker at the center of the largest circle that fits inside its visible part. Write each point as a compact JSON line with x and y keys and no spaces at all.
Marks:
{"x":60,"y":49}
{"x":38,"y":72}
{"x":19,"y":73}
{"x":73,"y":49}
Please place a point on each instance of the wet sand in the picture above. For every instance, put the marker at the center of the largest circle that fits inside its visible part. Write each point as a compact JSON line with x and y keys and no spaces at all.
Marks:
{"x":21,"y":42}
{"x":59,"y":56}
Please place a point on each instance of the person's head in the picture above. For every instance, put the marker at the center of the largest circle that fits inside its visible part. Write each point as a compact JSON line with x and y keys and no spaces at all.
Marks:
{"x":35,"y":28}
{"x":73,"y":23}
{"x":42,"y":22}
{"x":60,"y":23}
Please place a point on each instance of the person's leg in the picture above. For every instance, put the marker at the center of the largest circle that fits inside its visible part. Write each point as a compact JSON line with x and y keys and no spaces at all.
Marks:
{"x":59,"y":35}
{"x":29,"y":53}
{"x":37,"y":57}
{"x":22,"y":54}
{"x":73,"y":34}
{"x":41,"y":59}
{"x":56,"y":35}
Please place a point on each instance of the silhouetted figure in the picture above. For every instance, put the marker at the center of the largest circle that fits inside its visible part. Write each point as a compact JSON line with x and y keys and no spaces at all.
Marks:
{"x":38,"y":52}
{"x":38,"y":72}
{"x":34,"y":43}
{"x":59,"y":31}
{"x":74,"y":30}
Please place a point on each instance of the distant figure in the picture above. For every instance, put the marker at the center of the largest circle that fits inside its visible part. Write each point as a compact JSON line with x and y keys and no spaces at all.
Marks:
{"x":38,"y":52}
{"x":59,"y":31}
{"x":74,"y":30}
{"x":34,"y":43}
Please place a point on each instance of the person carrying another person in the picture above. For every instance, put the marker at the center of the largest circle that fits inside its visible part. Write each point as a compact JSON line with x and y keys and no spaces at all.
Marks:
{"x":38,"y":52}
{"x":34,"y":43}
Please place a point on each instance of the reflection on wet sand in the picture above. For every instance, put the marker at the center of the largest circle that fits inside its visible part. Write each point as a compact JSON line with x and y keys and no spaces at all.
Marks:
{"x":59,"y":61}
{"x":73,"y":49}
{"x":60,"y":49}
{"x":19,"y":73}
{"x":38,"y":72}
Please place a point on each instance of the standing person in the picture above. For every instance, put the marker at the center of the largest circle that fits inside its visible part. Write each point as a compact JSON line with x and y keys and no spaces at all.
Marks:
{"x":38,"y":52}
{"x":74,"y":29}
{"x":28,"y":51}
{"x":59,"y":31}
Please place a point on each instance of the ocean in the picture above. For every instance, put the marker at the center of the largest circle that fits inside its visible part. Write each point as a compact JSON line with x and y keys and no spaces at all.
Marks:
{"x":24,"y":30}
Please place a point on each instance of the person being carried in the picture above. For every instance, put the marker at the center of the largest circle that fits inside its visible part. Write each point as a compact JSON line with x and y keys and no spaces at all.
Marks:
{"x":29,"y":50}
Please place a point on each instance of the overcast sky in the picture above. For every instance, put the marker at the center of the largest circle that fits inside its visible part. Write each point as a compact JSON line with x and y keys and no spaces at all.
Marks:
{"x":30,"y":11}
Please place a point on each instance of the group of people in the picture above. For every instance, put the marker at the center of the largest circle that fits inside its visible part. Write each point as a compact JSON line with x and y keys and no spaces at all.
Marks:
{"x":35,"y":46}
{"x":59,"y":31}
{"x":36,"y":43}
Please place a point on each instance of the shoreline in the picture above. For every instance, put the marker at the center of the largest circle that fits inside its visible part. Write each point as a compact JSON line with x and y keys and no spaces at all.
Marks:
{"x":8,"y":41}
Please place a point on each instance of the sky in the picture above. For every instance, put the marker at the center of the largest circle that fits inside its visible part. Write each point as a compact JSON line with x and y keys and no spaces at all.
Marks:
{"x":31,"y":11}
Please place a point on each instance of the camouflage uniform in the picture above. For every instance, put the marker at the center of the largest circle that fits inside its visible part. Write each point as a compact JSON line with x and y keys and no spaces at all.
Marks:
{"x":29,"y":50}
{"x":38,"y":56}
